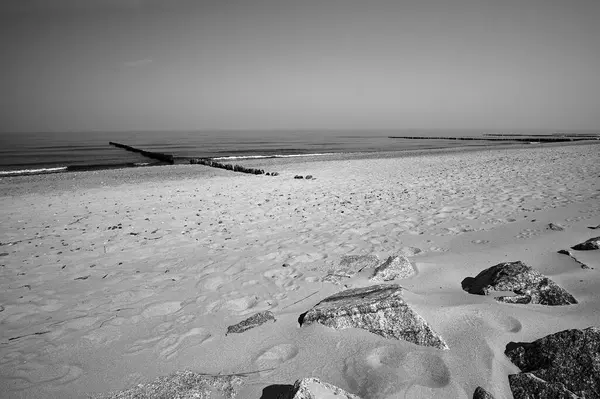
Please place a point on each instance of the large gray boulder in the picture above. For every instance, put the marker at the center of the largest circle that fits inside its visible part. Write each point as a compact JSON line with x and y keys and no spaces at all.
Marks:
{"x":395,"y":267}
{"x":481,"y":393}
{"x":256,"y":320}
{"x":379,"y":309}
{"x":592,"y":243}
{"x":529,"y":285}
{"x":313,"y":388}
{"x":182,"y":385}
{"x":561,"y":365}
{"x":349,"y":266}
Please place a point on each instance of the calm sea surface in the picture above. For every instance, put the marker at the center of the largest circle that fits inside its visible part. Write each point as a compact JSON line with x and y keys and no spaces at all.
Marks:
{"x":33,"y":151}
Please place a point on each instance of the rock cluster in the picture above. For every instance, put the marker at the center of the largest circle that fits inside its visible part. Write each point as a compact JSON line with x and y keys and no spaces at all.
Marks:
{"x":379,"y":309}
{"x":184,"y":385}
{"x":235,"y":168}
{"x":561,"y":365}
{"x":256,"y":320}
{"x":529,"y":285}
{"x":591,"y":244}
{"x":394,"y":267}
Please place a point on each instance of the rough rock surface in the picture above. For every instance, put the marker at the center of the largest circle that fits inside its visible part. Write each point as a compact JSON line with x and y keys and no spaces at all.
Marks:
{"x":349,"y":266}
{"x":481,"y":393}
{"x":529,"y":285}
{"x":313,"y":388}
{"x":561,"y":365}
{"x":592,"y":243}
{"x":379,"y":309}
{"x":182,"y":385}
{"x":394,"y":267}
{"x":256,"y":320}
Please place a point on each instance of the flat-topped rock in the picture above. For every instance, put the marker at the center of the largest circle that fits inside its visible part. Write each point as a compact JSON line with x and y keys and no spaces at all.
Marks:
{"x":481,"y":393}
{"x":379,"y":309}
{"x":395,"y":267}
{"x":256,"y":320}
{"x":561,"y":365}
{"x":529,"y":285}
{"x":313,"y":388}
{"x":349,"y":266}
{"x":591,"y":244}
{"x":182,"y":385}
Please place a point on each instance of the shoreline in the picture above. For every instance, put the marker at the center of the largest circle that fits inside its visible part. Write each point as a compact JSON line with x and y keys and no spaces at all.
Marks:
{"x":109,"y":279}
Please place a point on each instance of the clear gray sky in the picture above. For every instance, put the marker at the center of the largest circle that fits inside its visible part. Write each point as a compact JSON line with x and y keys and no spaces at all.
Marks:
{"x":230,"y":64}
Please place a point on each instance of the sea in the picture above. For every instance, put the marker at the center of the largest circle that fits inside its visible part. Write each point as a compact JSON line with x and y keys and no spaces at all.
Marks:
{"x":53,"y":152}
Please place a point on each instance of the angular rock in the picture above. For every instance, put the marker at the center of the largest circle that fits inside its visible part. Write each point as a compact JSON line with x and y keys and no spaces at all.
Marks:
{"x":555,"y":227}
{"x":591,"y":244}
{"x":379,"y":309}
{"x":394,"y":267}
{"x":564,"y":252}
{"x":529,"y":285}
{"x":561,"y":365}
{"x":481,"y":393}
{"x":313,"y":388}
{"x":256,"y":320}
{"x":349,"y":266}
{"x":181,"y":385}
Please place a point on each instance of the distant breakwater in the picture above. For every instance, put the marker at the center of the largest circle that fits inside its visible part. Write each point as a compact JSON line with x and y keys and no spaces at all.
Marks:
{"x":159,"y":156}
{"x":536,"y":139}
{"x":234,"y":168}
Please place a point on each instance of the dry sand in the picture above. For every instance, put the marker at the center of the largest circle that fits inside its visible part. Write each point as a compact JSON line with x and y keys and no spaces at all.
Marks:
{"x":110,"y":279}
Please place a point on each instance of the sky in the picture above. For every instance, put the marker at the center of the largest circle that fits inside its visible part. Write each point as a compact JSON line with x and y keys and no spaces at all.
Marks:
{"x":111,"y":65}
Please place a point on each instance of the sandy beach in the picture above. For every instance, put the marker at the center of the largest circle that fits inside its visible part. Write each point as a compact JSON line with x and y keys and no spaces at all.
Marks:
{"x":110,"y":279}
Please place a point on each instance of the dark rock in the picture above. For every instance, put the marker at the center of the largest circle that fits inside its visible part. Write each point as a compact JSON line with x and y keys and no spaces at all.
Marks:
{"x":256,"y":320}
{"x":529,"y":285}
{"x":182,"y":385}
{"x":379,"y":309}
{"x":349,"y":266}
{"x":594,"y":227}
{"x":561,"y":365}
{"x":481,"y":393}
{"x":313,"y":388}
{"x":555,"y":227}
{"x":274,"y":173}
{"x":298,"y":177}
{"x":394,"y":267}
{"x":592,"y":243}
{"x":308,"y":177}
{"x":564,"y":252}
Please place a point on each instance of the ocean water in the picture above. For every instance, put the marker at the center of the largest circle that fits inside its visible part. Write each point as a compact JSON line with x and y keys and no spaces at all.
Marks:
{"x":23,"y":153}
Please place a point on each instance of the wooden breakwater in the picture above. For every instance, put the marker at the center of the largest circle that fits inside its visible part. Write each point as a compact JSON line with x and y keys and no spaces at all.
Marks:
{"x":234,"y":168}
{"x":159,"y":156}
{"x":488,"y":138}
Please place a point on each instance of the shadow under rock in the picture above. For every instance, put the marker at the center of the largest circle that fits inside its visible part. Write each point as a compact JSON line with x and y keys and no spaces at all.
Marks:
{"x":277,"y":392}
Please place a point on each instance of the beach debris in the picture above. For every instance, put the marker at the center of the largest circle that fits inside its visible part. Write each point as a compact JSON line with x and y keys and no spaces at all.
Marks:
{"x":313,"y":388}
{"x":308,"y":177}
{"x":182,"y":384}
{"x":565,"y":364}
{"x":481,"y":393}
{"x":393,"y":268}
{"x":349,"y":266}
{"x":256,"y":320}
{"x":379,"y":309}
{"x":82,"y":277}
{"x":529,"y":285}
{"x":274,"y":173}
{"x":298,"y":177}
{"x":594,"y":227}
{"x":591,"y":244}
{"x":115,"y":227}
{"x":4,"y":254}
{"x":555,"y":227}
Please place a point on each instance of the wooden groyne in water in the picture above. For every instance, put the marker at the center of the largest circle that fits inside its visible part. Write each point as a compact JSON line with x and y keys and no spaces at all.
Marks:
{"x":159,"y":156}
{"x":488,"y":138}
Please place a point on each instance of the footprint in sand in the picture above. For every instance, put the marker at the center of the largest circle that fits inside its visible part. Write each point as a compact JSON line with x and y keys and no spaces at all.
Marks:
{"x":387,"y":370}
{"x":170,"y":345}
{"x":284,"y":278}
{"x":275,"y":356}
{"x":161,"y":309}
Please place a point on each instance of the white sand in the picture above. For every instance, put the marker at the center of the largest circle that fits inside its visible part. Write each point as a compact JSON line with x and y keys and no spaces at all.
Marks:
{"x":201,"y":249}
